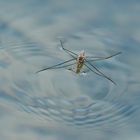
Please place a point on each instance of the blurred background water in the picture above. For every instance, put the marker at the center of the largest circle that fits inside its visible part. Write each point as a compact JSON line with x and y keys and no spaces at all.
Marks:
{"x":58,"y":104}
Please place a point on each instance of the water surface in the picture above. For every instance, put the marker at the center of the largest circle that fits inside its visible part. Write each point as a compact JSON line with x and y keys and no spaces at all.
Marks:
{"x":58,"y":104}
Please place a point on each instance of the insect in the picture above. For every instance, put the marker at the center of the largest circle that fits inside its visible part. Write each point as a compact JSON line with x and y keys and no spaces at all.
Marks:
{"x":81,"y":60}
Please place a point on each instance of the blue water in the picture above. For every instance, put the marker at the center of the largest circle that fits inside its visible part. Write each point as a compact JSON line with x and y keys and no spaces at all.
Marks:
{"x":59,"y":104}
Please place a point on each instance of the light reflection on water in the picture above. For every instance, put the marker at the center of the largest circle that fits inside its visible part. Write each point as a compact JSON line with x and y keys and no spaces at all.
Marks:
{"x":58,"y":104}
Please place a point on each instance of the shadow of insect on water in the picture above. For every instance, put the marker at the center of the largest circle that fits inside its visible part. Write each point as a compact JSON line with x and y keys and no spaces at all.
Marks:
{"x":81,"y":60}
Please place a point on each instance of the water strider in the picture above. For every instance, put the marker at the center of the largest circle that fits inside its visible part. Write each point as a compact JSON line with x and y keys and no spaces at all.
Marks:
{"x":81,"y":60}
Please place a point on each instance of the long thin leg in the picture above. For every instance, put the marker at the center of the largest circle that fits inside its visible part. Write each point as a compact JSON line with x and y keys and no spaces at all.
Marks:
{"x":54,"y":66}
{"x":63,"y":66}
{"x":98,"y":72}
{"x":74,"y":55}
{"x":102,"y":58}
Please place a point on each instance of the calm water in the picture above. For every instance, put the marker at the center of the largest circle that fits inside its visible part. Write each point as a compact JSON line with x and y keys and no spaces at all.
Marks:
{"x":58,"y":104}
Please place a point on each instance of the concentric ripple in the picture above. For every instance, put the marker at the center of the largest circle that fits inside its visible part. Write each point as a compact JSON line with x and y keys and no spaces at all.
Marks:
{"x":82,"y":100}
{"x":97,"y":114}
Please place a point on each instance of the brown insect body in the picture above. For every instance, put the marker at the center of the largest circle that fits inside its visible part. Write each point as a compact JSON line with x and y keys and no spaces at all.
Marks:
{"x":80,"y":62}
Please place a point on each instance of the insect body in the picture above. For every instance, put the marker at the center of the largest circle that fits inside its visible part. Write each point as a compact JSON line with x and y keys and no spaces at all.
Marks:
{"x":80,"y":61}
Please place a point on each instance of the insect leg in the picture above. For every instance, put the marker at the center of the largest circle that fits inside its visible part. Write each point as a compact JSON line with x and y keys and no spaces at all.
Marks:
{"x":74,"y":55}
{"x":54,"y":66}
{"x":102,"y":58}
{"x":98,"y":72}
